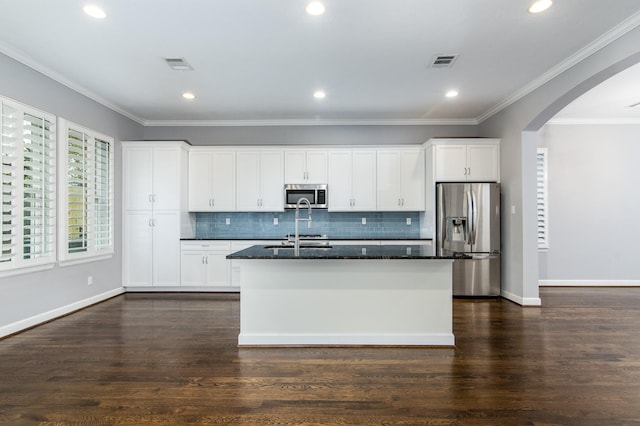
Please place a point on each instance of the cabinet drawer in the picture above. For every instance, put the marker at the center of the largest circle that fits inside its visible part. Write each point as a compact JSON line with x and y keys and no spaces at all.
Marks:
{"x":205,"y":245}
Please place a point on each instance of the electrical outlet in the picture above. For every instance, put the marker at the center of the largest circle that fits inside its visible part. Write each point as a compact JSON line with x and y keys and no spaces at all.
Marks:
{"x":275,"y":220}
{"x":228,"y":221}
{"x":89,"y":280}
{"x":364,"y":220}
{"x":408,"y":221}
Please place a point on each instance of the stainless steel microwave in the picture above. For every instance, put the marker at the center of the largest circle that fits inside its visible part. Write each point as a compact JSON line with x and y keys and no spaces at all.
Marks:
{"x":315,"y":193}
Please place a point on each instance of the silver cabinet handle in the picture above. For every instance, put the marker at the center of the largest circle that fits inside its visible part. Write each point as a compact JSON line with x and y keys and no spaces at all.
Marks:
{"x":151,"y":198}
{"x":150,"y":222}
{"x":203,"y":260}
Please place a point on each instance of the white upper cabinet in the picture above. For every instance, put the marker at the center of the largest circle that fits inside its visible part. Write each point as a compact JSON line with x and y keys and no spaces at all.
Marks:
{"x":260,"y":180}
{"x":352,"y":180}
{"x":459,"y":160}
{"x":303,"y":166}
{"x":400,"y":180}
{"x":212,"y":180}
{"x":153,"y":178}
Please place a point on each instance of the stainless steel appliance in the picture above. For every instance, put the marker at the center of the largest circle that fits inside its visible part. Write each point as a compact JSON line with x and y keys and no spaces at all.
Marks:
{"x":468,"y":222}
{"x":315,"y":193}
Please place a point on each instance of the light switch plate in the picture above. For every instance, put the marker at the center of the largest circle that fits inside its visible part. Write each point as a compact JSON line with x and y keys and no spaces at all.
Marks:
{"x":364,"y":220}
{"x":228,"y":221}
{"x":408,"y":221}
{"x":275,"y":220}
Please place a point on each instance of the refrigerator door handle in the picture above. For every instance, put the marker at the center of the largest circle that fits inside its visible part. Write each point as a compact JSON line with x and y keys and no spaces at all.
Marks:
{"x":469,"y":227}
{"x":474,"y":217}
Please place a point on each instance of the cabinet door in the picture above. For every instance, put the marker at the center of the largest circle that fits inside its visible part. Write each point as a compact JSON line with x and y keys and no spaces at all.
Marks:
{"x":363,"y":180}
{"x":248,"y":181}
{"x":166,"y":248}
{"x":482,"y":162}
{"x":412,"y":179}
{"x":223,"y":174}
{"x":137,"y":259}
{"x":295,"y":166}
{"x":192,"y":269}
{"x":339,"y":181}
{"x":271,"y":181}
{"x":200,"y":179}
{"x":317,"y":167}
{"x":451,"y":163}
{"x":166,"y":178}
{"x":138,"y":186}
{"x":388,"y":181}
{"x":218,"y":268}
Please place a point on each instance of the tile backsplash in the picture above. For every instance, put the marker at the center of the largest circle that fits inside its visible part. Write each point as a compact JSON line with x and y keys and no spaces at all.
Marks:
{"x":333,"y":224}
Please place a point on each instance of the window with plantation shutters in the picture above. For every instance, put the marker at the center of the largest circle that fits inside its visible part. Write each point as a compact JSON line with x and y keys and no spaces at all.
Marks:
{"x":87,"y":185}
{"x":27,"y":151}
{"x":542,"y":189}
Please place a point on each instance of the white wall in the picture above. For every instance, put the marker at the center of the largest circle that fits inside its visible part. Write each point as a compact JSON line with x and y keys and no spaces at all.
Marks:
{"x":36,"y":296}
{"x":594,"y":202}
{"x":517,"y":126}
{"x":308,"y":135}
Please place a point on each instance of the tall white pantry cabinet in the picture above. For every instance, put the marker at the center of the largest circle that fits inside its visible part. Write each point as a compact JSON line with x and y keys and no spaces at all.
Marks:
{"x":155,"y":215}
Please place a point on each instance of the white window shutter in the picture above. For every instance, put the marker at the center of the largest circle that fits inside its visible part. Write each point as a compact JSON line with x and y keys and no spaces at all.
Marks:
{"x":28,"y":152}
{"x":542,"y":202}
{"x":8,"y":152}
{"x":88,"y":188}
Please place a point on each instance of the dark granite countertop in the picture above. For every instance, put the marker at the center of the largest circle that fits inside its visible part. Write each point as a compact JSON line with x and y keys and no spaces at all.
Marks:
{"x":283,"y":238}
{"x":341,"y":252}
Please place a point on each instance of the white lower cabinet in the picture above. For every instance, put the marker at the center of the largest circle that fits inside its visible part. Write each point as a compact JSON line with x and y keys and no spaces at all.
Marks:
{"x":204,"y":263}
{"x":153,"y":248}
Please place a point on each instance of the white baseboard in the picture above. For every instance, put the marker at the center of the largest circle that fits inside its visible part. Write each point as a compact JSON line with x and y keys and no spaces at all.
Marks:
{"x":589,"y":283}
{"x":56,"y":313}
{"x":522,"y":301}
{"x":180,"y":289}
{"x":422,"y":339}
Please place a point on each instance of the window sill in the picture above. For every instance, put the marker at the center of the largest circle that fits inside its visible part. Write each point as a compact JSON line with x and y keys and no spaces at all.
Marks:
{"x":87,"y":259}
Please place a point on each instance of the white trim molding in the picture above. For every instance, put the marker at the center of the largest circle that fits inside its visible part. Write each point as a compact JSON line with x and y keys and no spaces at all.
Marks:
{"x":57,"y":313}
{"x":522,"y":301}
{"x":589,"y":283}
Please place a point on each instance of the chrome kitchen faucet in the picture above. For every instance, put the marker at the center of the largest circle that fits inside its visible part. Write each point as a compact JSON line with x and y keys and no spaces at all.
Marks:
{"x":296,"y":247}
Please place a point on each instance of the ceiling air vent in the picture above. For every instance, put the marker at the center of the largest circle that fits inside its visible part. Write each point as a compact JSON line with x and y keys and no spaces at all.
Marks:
{"x":178,"y":64}
{"x":443,"y":61}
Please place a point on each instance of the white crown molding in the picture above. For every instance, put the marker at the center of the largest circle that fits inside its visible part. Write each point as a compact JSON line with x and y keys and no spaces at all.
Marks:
{"x":610,"y":36}
{"x":313,"y":122}
{"x":28,"y":61}
{"x":599,"y":121}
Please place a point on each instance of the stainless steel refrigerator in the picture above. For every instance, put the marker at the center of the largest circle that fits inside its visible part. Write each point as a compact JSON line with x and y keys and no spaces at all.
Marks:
{"x":468,"y":222}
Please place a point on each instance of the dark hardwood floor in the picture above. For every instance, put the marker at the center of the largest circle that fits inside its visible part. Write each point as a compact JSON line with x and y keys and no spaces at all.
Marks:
{"x":172,"y":359}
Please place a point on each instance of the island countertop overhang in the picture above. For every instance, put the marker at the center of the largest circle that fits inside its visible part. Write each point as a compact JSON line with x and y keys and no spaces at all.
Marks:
{"x":408,"y":251}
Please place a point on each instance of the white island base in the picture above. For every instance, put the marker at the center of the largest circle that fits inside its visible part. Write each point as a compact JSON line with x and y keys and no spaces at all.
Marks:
{"x":329,"y":302}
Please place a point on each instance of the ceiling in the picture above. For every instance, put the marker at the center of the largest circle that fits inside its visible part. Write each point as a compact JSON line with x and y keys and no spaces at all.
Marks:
{"x":260,"y":61}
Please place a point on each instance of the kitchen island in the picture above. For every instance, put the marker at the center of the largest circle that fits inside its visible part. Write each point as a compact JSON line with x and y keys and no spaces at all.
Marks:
{"x":345,"y":295}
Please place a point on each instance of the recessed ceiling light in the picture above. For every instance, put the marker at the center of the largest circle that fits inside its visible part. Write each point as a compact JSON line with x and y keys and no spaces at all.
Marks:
{"x":319,"y":94}
{"x":451,"y":94}
{"x":315,"y":8}
{"x":94,"y":11}
{"x":540,"y":6}
{"x":188,"y":95}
